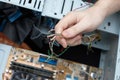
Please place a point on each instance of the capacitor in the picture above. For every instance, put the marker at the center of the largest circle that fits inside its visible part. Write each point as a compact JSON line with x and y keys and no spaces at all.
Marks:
{"x":61,"y":71}
{"x":10,"y":71}
{"x":42,"y":65}
{"x":54,"y":74}
{"x":55,"y":71}
{"x":28,"y":60}
{"x":15,"y":58}
{"x":6,"y":70}
{"x":83,"y":68}
{"x":54,"y":77}
{"x":10,"y":63}
{"x":93,"y":75}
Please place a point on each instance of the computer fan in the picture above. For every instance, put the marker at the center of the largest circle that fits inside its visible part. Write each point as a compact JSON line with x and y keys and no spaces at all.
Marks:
{"x":23,"y":76}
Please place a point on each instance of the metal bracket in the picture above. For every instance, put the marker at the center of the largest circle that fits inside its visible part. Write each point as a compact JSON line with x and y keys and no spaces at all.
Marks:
{"x":36,"y":5}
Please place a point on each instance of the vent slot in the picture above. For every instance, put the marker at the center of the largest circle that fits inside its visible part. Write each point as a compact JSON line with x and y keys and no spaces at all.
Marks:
{"x":39,"y":4}
{"x":72,"y":6}
{"x":63,"y":6}
{"x":35,"y":3}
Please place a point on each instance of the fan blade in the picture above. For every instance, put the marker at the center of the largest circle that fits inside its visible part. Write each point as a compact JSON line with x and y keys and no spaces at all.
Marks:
{"x":31,"y":79}
{"x":23,"y":75}
{"x":27,"y":77}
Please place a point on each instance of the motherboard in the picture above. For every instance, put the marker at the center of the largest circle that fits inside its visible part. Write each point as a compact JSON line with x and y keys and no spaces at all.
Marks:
{"x":29,"y":65}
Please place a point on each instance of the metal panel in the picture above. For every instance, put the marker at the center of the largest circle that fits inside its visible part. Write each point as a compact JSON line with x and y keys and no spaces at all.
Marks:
{"x":104,"y":43}
{"x":102,"y":63}
{"x":111,"y":24}
{"x":36,"y":5}
{"x":108,"y":60}
{"x":56,"y":9}
{"x":117,"y":68}
{"x":4,"y":53}
{"x":59,"y":8}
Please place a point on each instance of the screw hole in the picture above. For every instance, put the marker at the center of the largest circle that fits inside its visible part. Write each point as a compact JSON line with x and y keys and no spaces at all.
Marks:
{"x":104,"y":27}
{"x":95,"y":42}
{"x":55,"y":13}
{"x":81,"y":4}
{"x":29,"y":1}
{"x":99,"y":40}
{"x":109,"y":23}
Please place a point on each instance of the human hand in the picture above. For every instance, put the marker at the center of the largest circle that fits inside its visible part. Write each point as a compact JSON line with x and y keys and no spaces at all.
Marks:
{"x":75,"y":23}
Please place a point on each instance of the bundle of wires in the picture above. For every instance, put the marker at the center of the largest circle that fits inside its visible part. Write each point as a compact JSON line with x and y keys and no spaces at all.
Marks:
{"x":51,"y":52}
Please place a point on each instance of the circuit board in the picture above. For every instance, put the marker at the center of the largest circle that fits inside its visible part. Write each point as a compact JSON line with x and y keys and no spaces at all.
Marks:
{"x":29,"y":65}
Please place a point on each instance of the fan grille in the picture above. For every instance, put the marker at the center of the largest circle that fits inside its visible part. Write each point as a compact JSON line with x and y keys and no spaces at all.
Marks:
{"x":23,"y":76}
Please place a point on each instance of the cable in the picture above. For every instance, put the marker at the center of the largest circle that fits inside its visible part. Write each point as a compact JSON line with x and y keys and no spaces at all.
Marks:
{"x":51,"y":36}
{"x":63,"y":51}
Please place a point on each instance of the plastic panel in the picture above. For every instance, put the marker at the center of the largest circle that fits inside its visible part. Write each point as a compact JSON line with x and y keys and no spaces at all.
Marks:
{"x":4,"y":53}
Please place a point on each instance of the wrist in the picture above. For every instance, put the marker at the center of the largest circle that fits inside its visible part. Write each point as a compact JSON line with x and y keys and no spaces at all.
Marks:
{"x":108,"y":7}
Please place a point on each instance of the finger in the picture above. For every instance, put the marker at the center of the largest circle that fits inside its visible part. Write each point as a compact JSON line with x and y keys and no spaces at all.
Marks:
{"x":72,"y":41}
{"x":78,"y":42}
{"x":61,"y":41}
{"x":64,"y":23}
{"x":75,"y":30}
